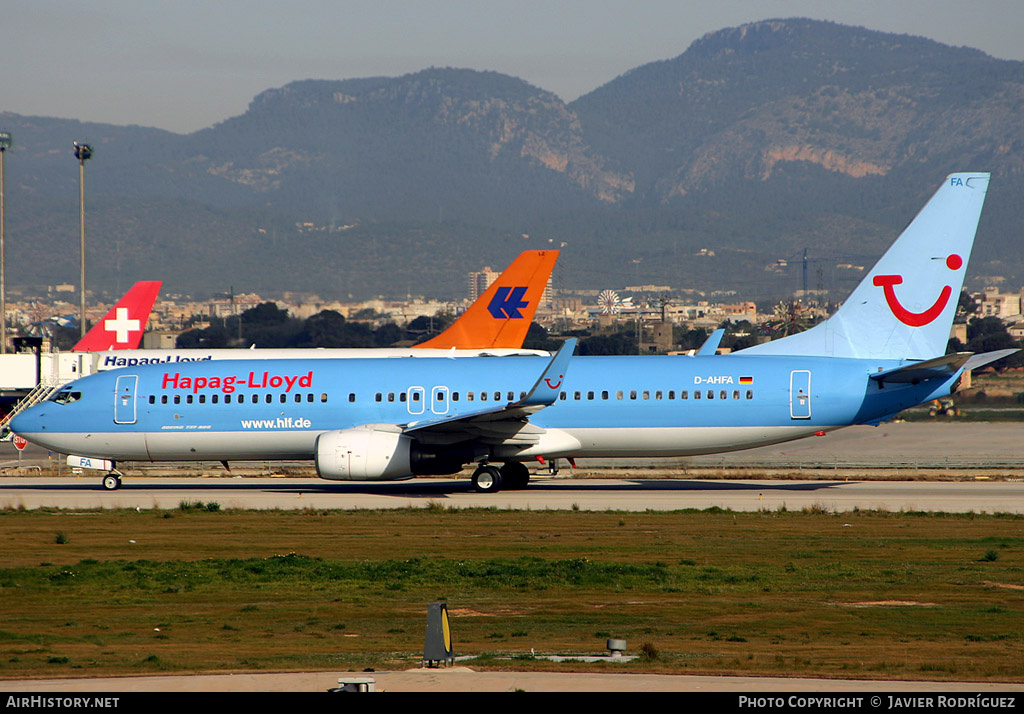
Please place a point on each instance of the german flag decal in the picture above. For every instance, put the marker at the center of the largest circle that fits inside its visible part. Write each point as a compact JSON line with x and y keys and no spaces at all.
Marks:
{"x":746,"y":380}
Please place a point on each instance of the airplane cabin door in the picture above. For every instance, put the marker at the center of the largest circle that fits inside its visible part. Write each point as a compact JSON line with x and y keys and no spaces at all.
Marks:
{"x":800,"y":394}
{"x":414,"y":400}
{"x":439,"y":400}
{"x":124,"y":399}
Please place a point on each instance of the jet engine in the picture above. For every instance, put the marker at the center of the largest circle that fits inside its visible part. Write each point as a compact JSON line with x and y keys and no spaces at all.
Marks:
{"x":381,"y":452}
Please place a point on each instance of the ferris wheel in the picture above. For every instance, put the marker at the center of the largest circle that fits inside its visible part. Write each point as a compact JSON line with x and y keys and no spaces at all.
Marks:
{"x":609,"y":302}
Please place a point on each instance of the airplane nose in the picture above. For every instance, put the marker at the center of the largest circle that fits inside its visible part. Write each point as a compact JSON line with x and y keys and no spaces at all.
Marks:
{"x":27,"y":422}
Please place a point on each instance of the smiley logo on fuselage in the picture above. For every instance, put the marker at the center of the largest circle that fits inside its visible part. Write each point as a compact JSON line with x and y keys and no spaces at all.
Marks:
{"x":916,"y":319}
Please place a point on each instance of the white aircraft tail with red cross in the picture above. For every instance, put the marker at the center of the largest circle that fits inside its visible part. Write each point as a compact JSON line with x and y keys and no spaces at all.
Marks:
{"x":905,"y":306}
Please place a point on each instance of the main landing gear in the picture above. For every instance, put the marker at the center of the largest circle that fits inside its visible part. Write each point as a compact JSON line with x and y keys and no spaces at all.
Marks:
{"x":491,"y":479}
{"x":112,"y":481}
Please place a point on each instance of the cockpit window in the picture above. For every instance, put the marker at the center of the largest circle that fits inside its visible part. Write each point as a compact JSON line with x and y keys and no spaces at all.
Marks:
{"x":66,"y":396}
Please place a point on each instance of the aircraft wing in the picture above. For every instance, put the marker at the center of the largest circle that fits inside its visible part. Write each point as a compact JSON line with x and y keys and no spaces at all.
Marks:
{"x":503,"y":420}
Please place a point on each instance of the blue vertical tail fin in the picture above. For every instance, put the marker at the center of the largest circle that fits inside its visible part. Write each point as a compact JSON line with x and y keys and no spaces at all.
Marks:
{"x":904,"y":308}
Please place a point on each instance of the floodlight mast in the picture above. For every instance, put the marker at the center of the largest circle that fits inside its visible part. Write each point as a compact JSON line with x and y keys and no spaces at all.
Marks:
{"x":83,"y":152}
{"x":5,"y":143}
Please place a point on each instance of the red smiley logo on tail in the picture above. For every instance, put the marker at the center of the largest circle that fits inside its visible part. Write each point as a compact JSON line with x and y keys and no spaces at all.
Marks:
{"x":916,"y":319}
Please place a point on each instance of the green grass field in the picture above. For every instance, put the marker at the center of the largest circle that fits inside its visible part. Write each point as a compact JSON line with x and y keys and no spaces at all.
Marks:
{"x":862,"y":594}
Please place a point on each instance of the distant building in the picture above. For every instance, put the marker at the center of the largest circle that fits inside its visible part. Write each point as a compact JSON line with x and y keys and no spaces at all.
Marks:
{"x":992,"y":303}
{"x":480,"y":280}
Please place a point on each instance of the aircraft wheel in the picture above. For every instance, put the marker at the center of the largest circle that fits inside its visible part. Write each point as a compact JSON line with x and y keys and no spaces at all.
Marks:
{"x":515,"y":474}
{"x":487,"y":479}
{"x":111,"y":482}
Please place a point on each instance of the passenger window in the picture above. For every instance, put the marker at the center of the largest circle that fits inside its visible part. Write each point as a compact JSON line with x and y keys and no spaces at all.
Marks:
{"x":577,"y":396}
{"x":255,"y":398}
{"x":711,"y":394}
{"x":604,"y":395}
{"x":723,"y":394}
{"x":646,"y":395}
{"x":323,"y":397}
{"x":469,"y":396}
{"x":561,"y":396}
{"x":632,"y":394}
{"x":590,"y":396}
{"x":152,"y":399}
{"x":671,"y":394}
{"x":351,"y":397}
{"x":657,"y":395}
{"x":696,"y":394}
{"x":497,"y":396}
{"x":215,"y":398}
{"x":455,"y":397}
{"x":202,"y":399}
{"x":750,"y":394}
{"x":618,"y":395}
{"x":163,"y":399}
{"x":391,"y":396}
{"x":736,"y":394}
{"x":684,"y":394}
{"x":378,"y":397}
{"x":177,"y":399}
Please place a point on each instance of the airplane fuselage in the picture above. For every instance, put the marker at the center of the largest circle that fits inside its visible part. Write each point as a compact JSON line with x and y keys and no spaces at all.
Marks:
{"x":606,"y":406}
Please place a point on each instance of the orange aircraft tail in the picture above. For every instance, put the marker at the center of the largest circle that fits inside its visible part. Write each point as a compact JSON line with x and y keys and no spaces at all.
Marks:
{"x":501,"y":316}
{"x":123,"y":326}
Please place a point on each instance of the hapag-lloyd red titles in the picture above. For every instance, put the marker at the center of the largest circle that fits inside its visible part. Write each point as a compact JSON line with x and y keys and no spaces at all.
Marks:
{"x":230,"y":384}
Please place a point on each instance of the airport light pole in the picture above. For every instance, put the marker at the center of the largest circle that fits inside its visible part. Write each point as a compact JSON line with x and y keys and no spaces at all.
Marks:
{"x":82,"y":153}
{"x":5,"y":144}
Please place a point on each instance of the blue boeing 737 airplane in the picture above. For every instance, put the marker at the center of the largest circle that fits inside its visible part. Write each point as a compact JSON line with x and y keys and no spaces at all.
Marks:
{"x":390,"y":419}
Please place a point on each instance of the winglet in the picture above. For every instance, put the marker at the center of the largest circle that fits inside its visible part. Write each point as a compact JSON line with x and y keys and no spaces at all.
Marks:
{"x":502,"y":315}
{"x":123,"y":325}
{"x":545,"y":390}
{"x":711,"y":343}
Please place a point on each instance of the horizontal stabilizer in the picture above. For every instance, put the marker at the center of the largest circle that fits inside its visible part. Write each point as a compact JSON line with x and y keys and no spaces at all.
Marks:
{"x":978,"y":361}
{"x":939,"y":368}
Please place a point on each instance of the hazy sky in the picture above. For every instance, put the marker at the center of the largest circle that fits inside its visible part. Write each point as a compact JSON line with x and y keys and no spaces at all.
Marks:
{"x":184,"y":65}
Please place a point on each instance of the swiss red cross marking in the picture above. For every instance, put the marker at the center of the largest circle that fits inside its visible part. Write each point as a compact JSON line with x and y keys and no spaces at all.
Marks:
{"x":121,"y":325}
{"x":916,"y":319}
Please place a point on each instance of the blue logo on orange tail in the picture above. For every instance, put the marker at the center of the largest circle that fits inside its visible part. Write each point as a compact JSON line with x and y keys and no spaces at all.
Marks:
{"x":506,"y":303}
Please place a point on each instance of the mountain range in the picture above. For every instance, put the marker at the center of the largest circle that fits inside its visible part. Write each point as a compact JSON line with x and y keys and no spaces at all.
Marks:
{"x":765,"y":158}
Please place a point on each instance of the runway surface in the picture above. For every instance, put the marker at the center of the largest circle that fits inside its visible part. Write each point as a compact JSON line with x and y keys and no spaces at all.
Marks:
{"x":545,"y":493}
{"x":951,"y":467}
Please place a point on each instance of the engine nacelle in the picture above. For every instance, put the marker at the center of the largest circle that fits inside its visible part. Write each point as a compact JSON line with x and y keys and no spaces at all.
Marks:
{"x":365,"y":453}
{"x":380,"y":452}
